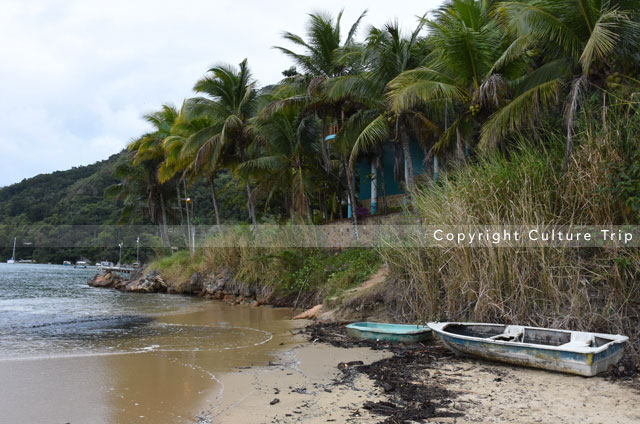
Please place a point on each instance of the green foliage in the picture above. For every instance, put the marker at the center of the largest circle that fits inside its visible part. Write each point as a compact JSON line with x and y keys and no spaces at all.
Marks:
{"x":623,"y":175}
{"x":178,"y":267}
{"x":326,"y":271}
{"x":591,"y":289}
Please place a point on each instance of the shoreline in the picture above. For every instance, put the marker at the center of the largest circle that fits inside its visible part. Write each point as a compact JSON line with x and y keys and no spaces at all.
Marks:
{"x":168,"y":382}
{"x":398,"y":383}
{"x":301,"y":384}
{"x":313,"y":382}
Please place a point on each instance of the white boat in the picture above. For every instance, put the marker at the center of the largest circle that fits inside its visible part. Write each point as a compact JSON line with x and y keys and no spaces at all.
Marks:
{"x":66,"y":263}
{"x":573,"y":352}
{"x":104,"y":264}
{"x":13,"y":257}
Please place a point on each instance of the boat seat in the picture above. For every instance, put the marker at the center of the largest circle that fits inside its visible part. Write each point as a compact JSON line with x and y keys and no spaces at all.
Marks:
{"x":580,"y":340}
{"x":512,"y":333}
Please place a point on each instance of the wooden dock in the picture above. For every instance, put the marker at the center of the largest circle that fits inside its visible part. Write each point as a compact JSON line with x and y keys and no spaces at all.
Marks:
{"x":117,"y":269}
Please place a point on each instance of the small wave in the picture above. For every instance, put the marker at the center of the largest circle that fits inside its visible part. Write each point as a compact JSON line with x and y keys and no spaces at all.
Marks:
{"x":109,"y":320}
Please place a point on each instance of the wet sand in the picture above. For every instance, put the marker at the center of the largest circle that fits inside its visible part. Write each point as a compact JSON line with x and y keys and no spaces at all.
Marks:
{"x":303,"y":380}
{"x":169,"y":381}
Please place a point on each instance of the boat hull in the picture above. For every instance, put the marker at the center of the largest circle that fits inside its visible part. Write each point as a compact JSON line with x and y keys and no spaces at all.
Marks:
{"x":584,"y":363}
{"x":390,"y":332}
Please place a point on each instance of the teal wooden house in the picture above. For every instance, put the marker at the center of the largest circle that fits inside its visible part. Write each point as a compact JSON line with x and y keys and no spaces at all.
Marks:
{"x":369,"y":177}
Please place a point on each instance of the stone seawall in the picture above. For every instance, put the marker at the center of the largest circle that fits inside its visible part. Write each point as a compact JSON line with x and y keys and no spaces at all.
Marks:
{"x":221,"y":286}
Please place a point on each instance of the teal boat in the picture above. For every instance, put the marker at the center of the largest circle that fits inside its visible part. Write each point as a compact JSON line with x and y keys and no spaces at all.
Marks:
{"x":389,"y":332}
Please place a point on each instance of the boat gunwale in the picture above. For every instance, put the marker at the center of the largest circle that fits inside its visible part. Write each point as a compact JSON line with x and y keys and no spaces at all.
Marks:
{"x":422,"y":330}
{"x":439,"y":328}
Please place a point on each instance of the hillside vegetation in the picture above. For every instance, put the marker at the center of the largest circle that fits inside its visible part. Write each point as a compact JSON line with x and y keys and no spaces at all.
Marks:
{"x":41,"y":210}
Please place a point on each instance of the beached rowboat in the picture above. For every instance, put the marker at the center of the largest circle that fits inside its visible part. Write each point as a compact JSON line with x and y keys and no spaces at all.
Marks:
{"x":573,"y":352}
{"x":389,"y":332}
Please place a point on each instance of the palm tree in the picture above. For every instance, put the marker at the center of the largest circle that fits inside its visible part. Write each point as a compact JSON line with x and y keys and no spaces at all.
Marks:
{"x":189,"y":151}
{"x":230,"y":105}
{"x":319,"y":62}
{"x":463,"y":74}
{"x":288,"y":161}
{"x":149,"y":153}
{"x":385,"y":55}
{"x":577,"y":42}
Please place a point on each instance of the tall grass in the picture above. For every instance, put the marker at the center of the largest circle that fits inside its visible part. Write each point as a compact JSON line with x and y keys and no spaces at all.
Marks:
{"x":269,"y":264}
{"x":577,"y":288}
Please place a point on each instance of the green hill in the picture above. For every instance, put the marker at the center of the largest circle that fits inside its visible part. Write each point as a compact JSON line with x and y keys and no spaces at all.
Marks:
{"x":75,"y":196}
{"x":40,"y":209}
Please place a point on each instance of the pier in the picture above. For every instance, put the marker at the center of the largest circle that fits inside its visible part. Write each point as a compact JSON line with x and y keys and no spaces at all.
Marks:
{"x":117,"y":269}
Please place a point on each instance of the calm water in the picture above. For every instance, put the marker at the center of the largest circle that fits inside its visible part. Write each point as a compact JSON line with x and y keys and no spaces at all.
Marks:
{"x":72,"y":353}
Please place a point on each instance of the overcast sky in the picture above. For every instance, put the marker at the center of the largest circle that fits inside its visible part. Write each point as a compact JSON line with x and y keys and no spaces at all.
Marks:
{"x":77,"y":75}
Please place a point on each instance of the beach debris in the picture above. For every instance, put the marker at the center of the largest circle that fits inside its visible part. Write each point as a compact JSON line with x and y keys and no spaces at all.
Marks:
{"x":344,"y":366}
{"x":309,"y":313}
{"x":274,"y":401}
{"x":388,"y":387}
{"x":403,"y":377}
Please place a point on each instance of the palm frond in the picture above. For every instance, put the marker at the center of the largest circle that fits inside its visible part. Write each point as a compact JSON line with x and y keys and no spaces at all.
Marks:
{"x":520,"y":111}
{"x":603,"y":39}
{"x":423,"y":85}
{"x":374,"y":134}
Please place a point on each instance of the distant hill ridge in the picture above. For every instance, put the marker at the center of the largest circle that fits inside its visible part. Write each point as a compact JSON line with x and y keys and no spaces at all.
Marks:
{"x":62,"y":197}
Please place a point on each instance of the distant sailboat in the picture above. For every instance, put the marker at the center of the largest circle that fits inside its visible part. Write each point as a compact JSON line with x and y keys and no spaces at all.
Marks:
{"x":13,"y":257}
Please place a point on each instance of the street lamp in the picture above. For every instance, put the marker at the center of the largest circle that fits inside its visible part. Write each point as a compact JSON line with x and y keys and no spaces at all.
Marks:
{"x":189,"y":243}
{"x":120,"y":260}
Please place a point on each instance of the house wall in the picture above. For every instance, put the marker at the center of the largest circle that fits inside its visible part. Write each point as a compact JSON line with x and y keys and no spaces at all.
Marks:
{"x":393,"y":186}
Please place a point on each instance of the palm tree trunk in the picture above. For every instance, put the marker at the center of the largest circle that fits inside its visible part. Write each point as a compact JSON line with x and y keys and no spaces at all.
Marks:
{"x":574,"y":99}
{"x":460,"y":155}
{"x":382,"y":177}
{"x":289,"y":202}
{"x":251,"y":207}
{"x":180,"y":209}
{"x":309,"y":210}
{"x":352,"y":196}
{"x":326,"y":160}
{"x":163,"y":212}
{"x":406,"y":149}
{"x":214,"y":199}
{"x":323,"y":205}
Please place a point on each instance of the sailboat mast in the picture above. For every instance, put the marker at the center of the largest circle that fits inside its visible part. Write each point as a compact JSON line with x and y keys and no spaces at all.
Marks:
{"x":14,"y":248}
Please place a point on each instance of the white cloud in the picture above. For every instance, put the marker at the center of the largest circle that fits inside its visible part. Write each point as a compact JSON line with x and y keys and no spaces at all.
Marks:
{"x":77,"y":75}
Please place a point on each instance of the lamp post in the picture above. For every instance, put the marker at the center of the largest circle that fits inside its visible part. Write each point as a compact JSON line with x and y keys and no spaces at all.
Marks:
{"x":189,"y":242}
{"x":120,"y":260}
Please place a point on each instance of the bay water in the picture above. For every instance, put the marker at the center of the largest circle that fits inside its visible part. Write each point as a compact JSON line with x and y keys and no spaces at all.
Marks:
{"x":70,"y":353}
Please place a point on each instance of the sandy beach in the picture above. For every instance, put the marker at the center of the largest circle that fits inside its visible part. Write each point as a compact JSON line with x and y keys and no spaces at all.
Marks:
{"x":299,"y":386}
{"x":309,"y":383}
